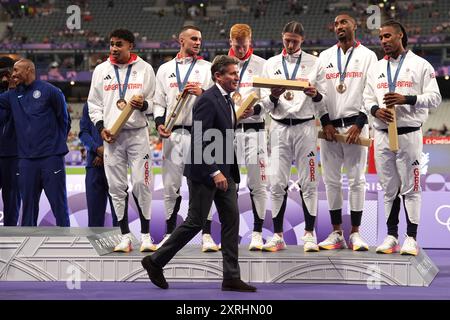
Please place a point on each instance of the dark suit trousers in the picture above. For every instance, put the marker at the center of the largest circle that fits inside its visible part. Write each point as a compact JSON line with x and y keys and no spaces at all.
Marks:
{"x":201,"y":197}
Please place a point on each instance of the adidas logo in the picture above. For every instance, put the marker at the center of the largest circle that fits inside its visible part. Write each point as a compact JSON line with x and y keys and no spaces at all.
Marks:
{"x":172,"y":75}
{"x":146,"y":157}
{"x":415,"y":163}
{"x":277,"y":72}
{"x":311,"y":154}
{"x":330,"y":66}
{"x":108,"y":77}
{"x":382,"y":76}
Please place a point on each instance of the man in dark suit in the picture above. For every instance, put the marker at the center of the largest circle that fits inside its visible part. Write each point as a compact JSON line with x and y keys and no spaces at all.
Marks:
{"x":212,"y":176}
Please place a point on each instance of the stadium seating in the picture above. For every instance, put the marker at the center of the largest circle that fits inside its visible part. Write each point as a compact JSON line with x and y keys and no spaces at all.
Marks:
{"x":153,"y":22}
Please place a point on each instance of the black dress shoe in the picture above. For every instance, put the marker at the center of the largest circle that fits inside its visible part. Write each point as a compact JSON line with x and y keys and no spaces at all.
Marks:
{"x":237,"y":285}
{"x":154,"y":272}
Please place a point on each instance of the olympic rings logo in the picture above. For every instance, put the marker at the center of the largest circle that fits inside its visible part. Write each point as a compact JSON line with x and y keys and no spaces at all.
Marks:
{"x":438,"y":217}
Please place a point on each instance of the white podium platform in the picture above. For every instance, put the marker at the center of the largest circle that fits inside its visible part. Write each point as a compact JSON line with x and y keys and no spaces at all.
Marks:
{"x":60,"y":254}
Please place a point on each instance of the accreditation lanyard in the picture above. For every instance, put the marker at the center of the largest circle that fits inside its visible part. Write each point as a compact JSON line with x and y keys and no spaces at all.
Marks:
{"x":241,"y":75}
{"x":297,"y":65}
{"x":393,"y":83}
{"x":123,"y":90}
{"x":342,"y":73}
{"x":181,"y":85}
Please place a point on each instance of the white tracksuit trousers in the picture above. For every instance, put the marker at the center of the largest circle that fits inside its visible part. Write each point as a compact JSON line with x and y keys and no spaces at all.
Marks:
{"x":400,"y":171}
{"x":334,"y":156}
{"x":288,"y":143}
{"x":251,"y":152}
{"x":132,"y":148}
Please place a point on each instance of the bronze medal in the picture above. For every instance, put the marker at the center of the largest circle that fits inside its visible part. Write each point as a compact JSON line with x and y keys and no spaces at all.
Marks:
{"x":121,"y":104}
{"x":288,"y":95}
{"x":341,"y":87}
{"x":236,"y":97}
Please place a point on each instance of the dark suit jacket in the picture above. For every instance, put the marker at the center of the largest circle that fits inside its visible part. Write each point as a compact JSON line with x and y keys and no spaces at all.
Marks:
{"x":212,"y":110}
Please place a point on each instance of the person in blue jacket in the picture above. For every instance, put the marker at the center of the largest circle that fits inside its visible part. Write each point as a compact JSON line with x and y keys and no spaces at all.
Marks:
{"x":8,"y":153}
{"x":96,"y":184}
{"x":42,"y":122}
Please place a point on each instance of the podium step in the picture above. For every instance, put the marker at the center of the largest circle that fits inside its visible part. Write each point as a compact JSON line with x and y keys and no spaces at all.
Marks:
{"x":85,"y":254}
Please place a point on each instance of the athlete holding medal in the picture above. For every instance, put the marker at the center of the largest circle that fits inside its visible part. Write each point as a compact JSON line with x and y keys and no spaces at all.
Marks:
{"x":186,"y":72}
{"x":342,"y":75}
{"x":125,"y":76}
{"x":407,"y":82}
{"x":250,"y":138}
{"x":293,"y":134}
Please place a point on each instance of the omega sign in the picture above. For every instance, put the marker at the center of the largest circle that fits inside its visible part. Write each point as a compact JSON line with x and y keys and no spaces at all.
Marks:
{"x":443,"y":216}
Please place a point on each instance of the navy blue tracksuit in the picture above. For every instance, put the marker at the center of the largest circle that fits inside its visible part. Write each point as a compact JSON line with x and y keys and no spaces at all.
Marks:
{"x":96,"y":184}
{"x":42,"y":123}
{"x":9,"y":182}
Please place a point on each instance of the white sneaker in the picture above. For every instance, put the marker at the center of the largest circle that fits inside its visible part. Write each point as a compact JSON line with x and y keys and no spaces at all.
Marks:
{"x":208,"y":244}
{"x":257,"y":242}
{"x":276,"y":243}
{"x":356,"y":242}
{"x":147,"y":243}
{"x":166,"y":237}
{"x":310,"y":243}
{"x":125,"y":244}
{"x":389,"y":245}
{"x":335,"y":240}
{"x":409,"y":247}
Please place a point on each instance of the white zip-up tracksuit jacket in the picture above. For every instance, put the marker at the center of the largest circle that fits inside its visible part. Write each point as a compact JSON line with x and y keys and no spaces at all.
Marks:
{"x":104,"y":92}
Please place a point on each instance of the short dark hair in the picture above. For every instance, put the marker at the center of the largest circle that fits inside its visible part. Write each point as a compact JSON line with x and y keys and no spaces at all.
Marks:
{"x":6,"y":63}
{"x":123,"y":34}
{"x":220,"y":63}
{"x":294,"y":27}
{"x":188,"y":27}
{"x":400,"y":28}
{"x":348,"y":15}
